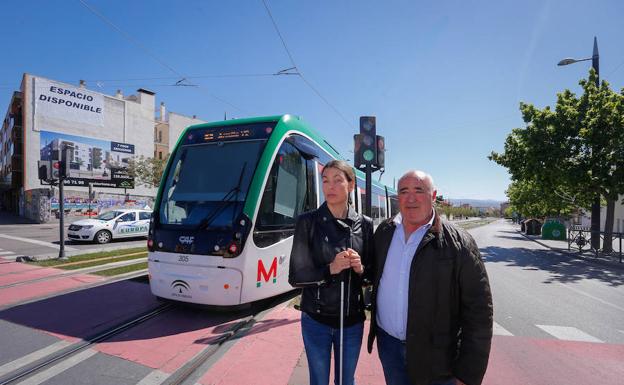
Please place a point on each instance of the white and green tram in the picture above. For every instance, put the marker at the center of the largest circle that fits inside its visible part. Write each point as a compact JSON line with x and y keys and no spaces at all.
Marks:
{"x":223,"y":221}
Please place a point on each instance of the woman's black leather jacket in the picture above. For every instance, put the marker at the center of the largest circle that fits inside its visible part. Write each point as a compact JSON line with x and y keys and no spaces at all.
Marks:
{"x":318,"y":238}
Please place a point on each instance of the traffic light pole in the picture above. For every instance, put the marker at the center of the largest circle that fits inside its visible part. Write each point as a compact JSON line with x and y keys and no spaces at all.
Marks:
{"x":369,"y":190}
{"x":61,"y":219}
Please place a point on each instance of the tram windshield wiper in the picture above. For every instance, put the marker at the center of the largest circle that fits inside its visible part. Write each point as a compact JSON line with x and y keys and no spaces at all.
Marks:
{"x":228,"y":198}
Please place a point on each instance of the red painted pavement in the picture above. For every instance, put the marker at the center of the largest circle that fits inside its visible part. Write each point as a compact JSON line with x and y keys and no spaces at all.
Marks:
{"x":529,"y":361}
{"x":28,"y":274}
{"x":369,"y":370}
{"x":266,"y":355}
{"x":270,"y":353}
{"x":273,"y":357}
{"x":12,"y":295}
{"x":15,"y":267}
{"x":169,"y":341}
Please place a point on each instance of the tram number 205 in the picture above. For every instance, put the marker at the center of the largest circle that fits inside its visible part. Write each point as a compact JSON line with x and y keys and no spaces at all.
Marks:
{"x":183,"y":258}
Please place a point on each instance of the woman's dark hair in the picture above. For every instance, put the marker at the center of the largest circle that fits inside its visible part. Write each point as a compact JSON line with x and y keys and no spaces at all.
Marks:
{"x":346,"y":169}
{"x":343,"y":166}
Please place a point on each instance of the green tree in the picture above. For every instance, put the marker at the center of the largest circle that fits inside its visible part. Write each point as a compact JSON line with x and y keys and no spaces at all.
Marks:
{"x":575,"y":152}
{"x":147,"y":171}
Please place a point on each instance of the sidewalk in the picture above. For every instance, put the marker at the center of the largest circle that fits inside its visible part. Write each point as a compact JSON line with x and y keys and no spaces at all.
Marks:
{"x":612,"y":260}
{"x":8,"y":218}
{"x":272,"y":353}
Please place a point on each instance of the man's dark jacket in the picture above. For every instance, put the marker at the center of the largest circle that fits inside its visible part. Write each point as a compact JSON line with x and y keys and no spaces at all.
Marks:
{"x":449,"y":317}
{"x":318,"y":238}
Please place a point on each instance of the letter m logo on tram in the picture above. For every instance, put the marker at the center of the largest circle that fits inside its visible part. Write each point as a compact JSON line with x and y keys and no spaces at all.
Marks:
{"x":263,"y":275}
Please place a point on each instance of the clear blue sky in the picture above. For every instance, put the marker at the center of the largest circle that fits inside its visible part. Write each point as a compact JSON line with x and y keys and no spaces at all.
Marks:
{"x":444,"y":78}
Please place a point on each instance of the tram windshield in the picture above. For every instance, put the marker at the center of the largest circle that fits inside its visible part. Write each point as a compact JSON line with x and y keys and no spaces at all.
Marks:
{"x":207,"y":184}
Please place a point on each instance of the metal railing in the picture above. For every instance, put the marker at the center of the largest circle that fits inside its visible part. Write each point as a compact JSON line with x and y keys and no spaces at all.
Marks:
{"x":580,"y":237}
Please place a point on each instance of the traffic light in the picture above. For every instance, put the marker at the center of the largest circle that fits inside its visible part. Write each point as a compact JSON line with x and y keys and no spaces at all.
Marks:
{"x":381,"y":152}
{"x":45,"y":172}
{"x":365,"y":143}
{"x":63,"y":169}
{"x":55,"y":170}
{"x":66,"y":157}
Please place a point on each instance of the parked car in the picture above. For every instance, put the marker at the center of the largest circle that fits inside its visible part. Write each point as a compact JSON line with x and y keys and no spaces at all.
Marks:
{"x":115,"y":224}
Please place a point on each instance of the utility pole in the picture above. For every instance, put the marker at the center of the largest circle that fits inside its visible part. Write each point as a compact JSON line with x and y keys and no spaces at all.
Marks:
{"x":66,"y":152}
{"x":595,"y":208}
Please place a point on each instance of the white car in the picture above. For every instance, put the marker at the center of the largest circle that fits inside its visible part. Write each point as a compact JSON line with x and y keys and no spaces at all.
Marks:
{"x":122,"y":223}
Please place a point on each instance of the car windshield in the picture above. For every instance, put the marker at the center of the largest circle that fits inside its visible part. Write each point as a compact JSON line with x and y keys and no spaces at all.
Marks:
{"x":107,"y":216}
{"x":207,"y":183}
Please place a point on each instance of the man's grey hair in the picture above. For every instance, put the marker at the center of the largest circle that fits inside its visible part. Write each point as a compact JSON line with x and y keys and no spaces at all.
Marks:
{"x":421,"y":175}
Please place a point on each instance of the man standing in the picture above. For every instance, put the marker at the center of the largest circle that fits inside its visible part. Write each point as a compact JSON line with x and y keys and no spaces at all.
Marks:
{"x":432,"y":306}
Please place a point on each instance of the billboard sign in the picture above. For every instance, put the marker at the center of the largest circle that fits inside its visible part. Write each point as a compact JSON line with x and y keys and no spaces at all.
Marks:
{"x":66,"y":102}
{"x":100,"y":162}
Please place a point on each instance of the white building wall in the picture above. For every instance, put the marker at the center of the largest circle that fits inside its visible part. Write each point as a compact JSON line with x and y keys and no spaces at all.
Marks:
{"x":129,"y":120}
{"x":177,"y":124}
{"x":124,"y":121}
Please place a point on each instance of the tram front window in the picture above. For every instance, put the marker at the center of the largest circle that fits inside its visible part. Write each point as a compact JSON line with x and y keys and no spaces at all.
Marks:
{"x":207,"y":184}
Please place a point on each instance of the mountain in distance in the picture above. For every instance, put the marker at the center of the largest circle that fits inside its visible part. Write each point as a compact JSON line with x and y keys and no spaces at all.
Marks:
{"x":476,"y":202}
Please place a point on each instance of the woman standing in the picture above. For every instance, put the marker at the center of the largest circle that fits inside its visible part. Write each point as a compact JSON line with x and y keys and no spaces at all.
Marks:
{"x":332,"y":244}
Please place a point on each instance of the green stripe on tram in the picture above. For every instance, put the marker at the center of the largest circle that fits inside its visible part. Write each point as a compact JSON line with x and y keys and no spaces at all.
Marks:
{"x":285,"y":123}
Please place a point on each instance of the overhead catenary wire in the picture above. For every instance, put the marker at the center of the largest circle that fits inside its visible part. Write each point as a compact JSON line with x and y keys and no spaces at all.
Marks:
{"x":187,"y":77}
{"x":298,"y":71}
{"x":615,"y":69}
{"x":180,"y":77}
{"x":292,"y":61}
{"x":128,"y":37}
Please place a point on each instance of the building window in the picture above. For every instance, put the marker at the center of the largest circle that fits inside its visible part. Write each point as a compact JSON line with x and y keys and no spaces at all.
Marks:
{"x":160,"y":155}
{"x":159,"y":136}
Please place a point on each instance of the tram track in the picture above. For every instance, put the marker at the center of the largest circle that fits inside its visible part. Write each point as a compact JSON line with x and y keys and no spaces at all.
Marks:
{"x":47,"y":362}
{"x":201,"y":363}
{"x":61,"y":357}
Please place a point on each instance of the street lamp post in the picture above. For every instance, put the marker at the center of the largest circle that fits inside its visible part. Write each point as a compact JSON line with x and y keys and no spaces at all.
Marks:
{"x":595,"y":216}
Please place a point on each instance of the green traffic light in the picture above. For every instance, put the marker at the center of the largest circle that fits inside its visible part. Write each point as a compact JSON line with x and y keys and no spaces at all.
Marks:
{"x":368,"y":155}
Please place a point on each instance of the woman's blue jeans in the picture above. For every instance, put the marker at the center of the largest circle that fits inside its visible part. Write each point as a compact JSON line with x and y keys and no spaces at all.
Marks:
{"x":319,"y":339}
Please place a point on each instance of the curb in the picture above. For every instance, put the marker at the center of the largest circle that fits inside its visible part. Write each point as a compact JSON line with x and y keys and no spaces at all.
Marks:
{"x":101,"y":249}
{"x":576,"y":255}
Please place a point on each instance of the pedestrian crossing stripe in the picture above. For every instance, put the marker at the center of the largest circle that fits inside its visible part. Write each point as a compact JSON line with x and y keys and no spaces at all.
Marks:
{"x":6,"y":253}
{"x":501,"y":331}
{"x":568,"y":333}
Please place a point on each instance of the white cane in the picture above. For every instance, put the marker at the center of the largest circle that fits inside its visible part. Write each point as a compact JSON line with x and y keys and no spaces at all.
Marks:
{"x":344,"y":225}
{"x":341,"y":328}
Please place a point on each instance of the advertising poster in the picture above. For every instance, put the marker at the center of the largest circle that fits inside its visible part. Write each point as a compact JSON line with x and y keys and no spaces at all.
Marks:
{"x":103,"y":163}
{"x":61,"y":101}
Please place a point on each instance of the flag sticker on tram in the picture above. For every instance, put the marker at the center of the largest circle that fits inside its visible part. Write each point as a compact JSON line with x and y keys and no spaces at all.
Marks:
{"x":265,"y":276}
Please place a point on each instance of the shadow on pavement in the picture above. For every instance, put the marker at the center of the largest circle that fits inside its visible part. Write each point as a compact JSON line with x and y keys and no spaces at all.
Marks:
{"x":560,"y":267}
{"x":86,"y":313}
